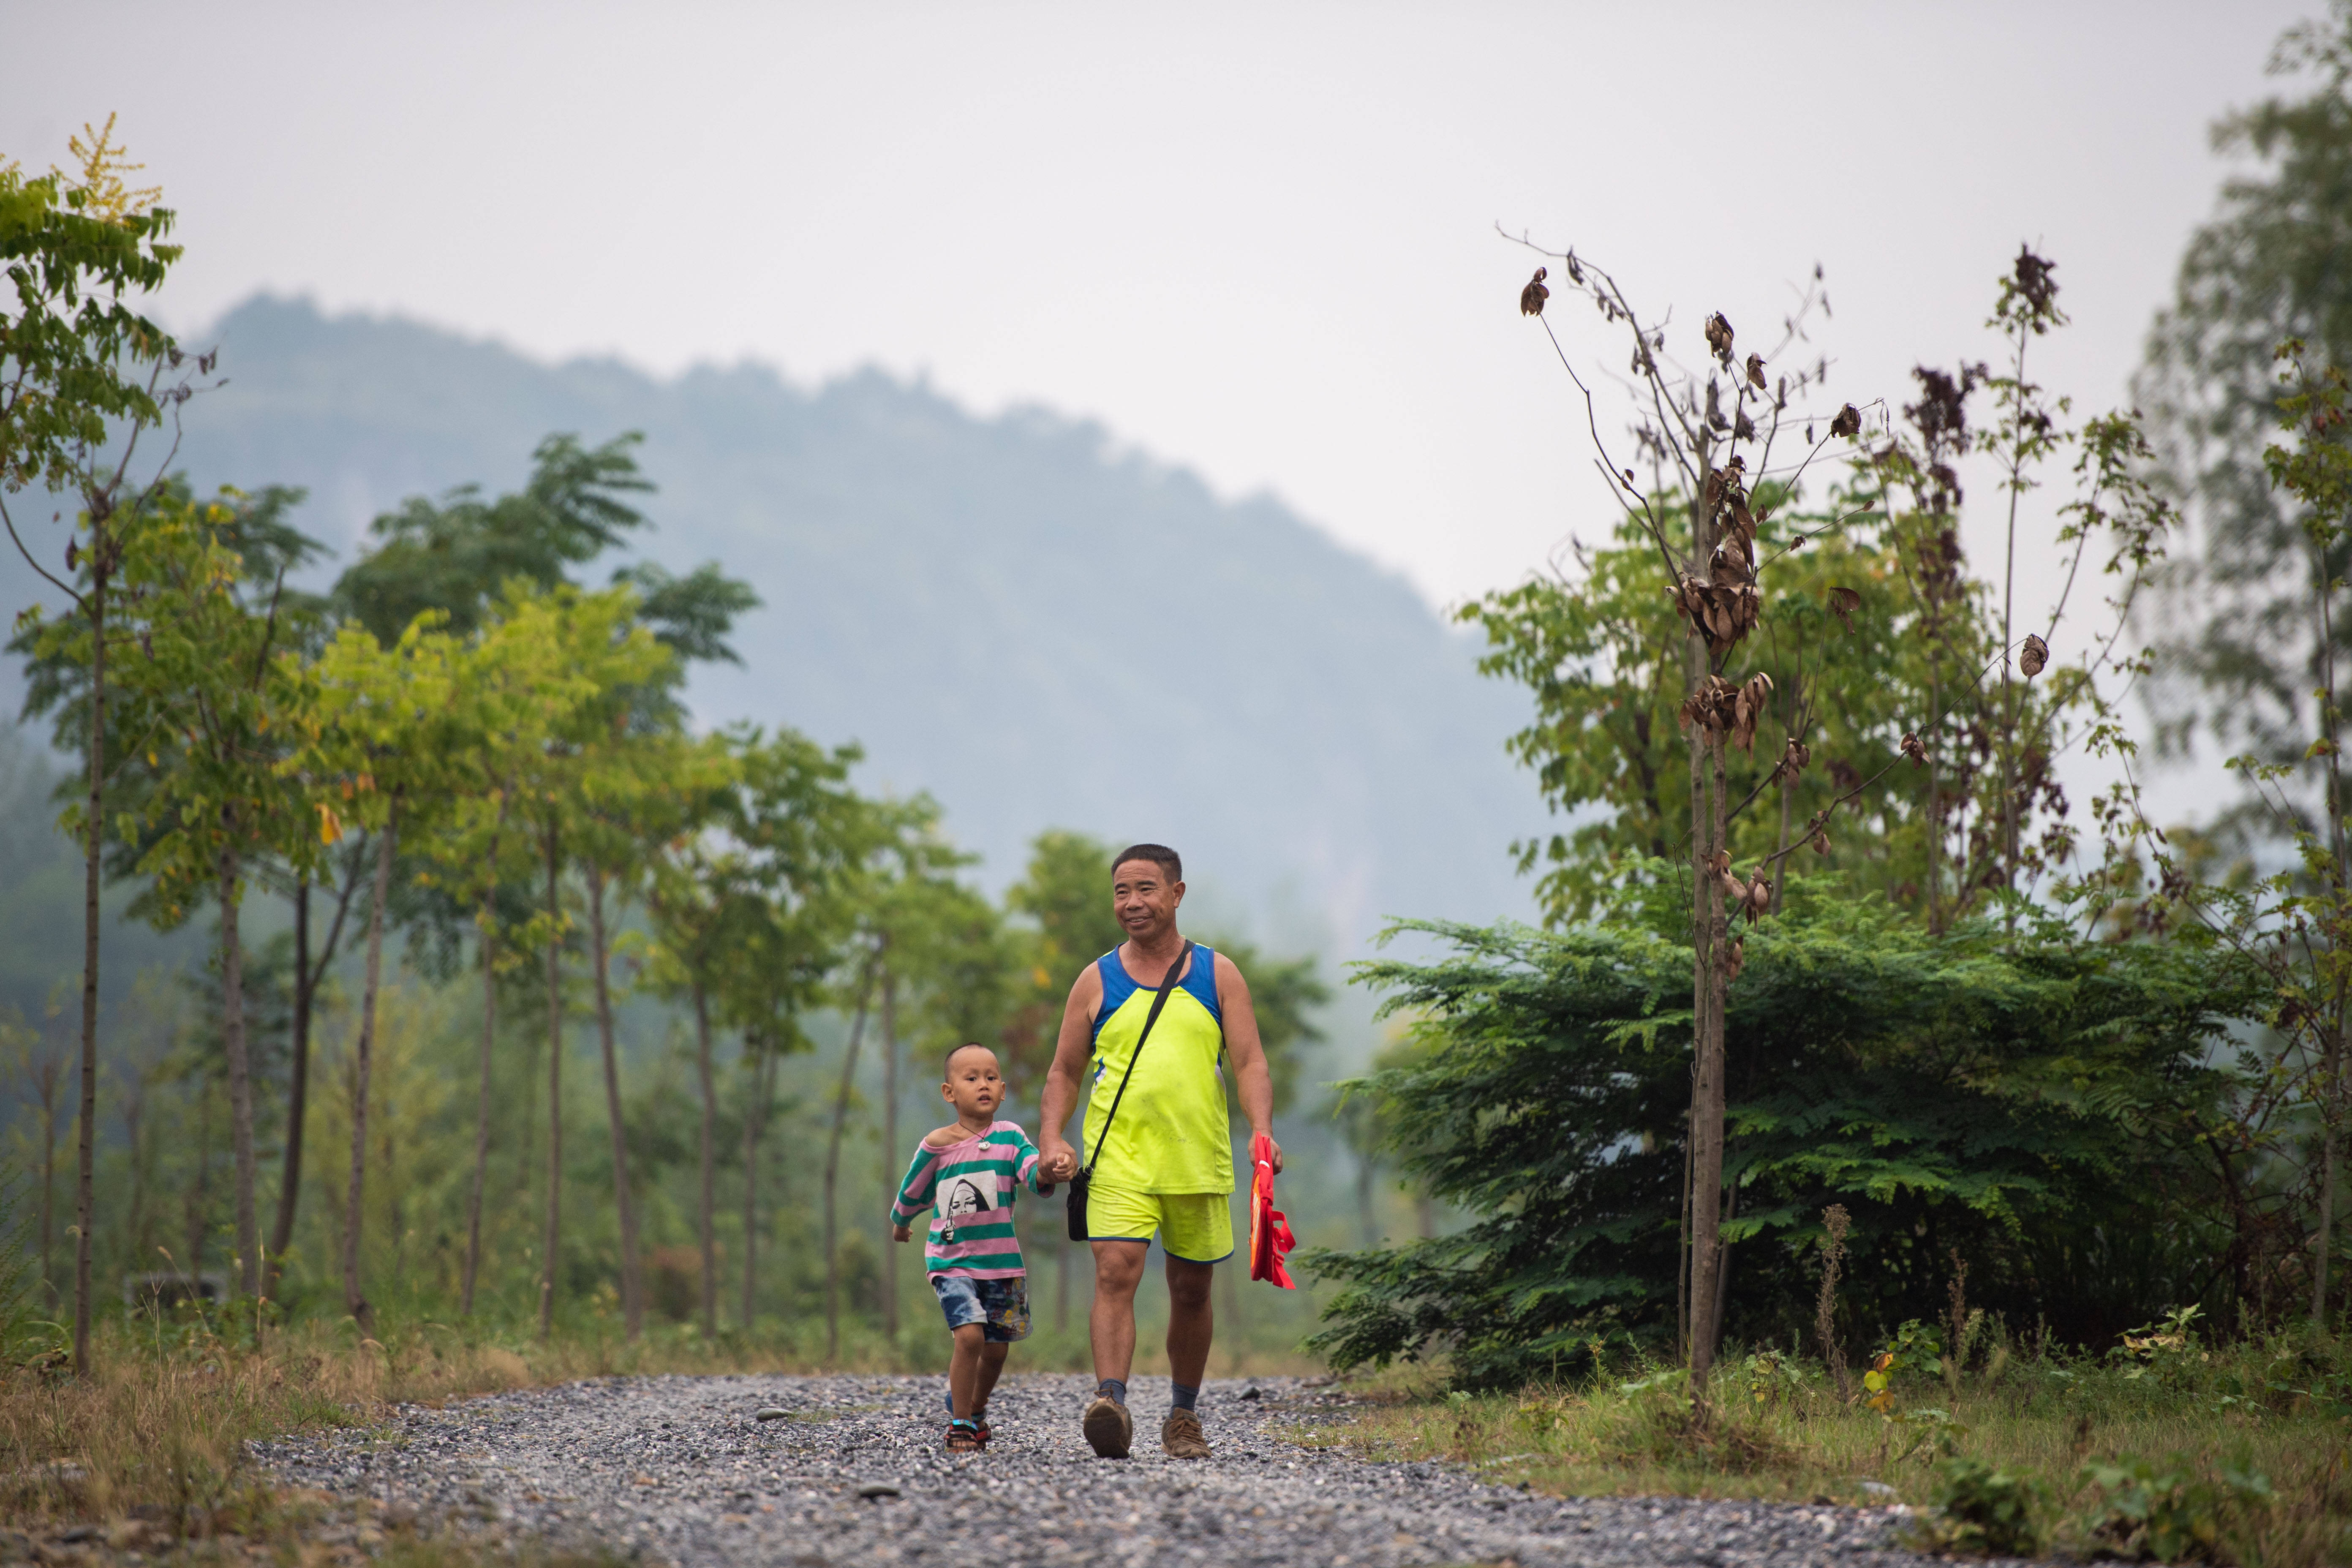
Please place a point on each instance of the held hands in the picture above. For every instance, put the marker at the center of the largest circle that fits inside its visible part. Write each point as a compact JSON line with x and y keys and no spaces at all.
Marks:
{"x":1057,"y":1161}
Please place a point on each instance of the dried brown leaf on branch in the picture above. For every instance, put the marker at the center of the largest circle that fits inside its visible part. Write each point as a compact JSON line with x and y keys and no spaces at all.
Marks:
{"x":1709,"y":708}
{"x":1532,"y":297}
{"x":1718,"y":337}
{"x":1735,"y":959}
{"x":1844,"y":602}
{"x":2033,"y":657}
{"x":1912,"y":749}
{"x":1794,"y":758}
{"x":1723,"y":612}
{"x":1821,"y":842}
{"x":1755,"y":369}
{"x":1749,"y":706}
{"x":1848,"y":421}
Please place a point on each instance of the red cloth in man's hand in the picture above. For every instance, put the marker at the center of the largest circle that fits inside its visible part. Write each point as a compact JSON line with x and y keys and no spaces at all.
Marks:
{"x":1270,"y":1234}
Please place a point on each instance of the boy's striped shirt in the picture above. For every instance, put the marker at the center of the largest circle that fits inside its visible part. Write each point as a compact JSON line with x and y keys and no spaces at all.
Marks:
{"x":968,"y":1187}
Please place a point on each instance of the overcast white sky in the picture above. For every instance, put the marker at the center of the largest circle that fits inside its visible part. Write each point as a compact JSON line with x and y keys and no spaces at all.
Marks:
{"x":1257,"y":240}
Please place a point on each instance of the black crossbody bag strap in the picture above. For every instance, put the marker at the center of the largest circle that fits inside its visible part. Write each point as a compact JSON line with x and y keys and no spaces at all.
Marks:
{"x":1167,"y":984}
{"x":1085,"y":1177}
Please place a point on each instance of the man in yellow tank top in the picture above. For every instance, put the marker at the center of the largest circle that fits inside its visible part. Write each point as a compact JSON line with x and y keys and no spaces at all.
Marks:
{"x":1167,"y":1165}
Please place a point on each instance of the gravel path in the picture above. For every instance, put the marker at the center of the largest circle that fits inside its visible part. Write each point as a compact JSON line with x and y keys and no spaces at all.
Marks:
{"x":679,"y":1469}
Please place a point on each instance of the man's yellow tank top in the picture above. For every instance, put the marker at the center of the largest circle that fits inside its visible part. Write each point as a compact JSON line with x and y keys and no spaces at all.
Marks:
{"x":1171,"y":1134}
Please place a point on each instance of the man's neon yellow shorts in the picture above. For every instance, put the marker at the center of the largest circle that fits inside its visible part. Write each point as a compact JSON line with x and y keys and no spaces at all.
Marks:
{"x":1196,"y":1226}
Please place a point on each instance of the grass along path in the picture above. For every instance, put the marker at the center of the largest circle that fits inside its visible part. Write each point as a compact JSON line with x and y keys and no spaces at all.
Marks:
{"x":2240,"y":1456}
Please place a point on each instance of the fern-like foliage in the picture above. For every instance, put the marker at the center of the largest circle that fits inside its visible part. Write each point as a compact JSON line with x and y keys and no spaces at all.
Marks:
{"x":2032,"y":1100}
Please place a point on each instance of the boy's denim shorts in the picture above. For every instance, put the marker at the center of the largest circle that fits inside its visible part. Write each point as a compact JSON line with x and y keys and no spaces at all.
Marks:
{"x":1001,"y":1307}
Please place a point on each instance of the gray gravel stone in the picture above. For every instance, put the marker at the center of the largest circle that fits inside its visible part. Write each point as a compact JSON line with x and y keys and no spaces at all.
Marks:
{"x":668,"y":1468}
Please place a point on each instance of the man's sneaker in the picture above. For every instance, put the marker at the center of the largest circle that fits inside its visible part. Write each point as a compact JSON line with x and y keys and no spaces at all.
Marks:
{"x":1180,"y":1435}
{"x":1109,"y":1429}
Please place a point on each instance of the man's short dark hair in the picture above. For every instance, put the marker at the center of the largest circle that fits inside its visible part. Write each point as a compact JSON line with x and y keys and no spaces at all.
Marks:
{"x":947,"y":1069}
{"x":1159,"y":855}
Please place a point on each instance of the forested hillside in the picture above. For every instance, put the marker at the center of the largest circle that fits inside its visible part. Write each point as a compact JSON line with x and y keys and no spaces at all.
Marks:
{"x":1012,"y":614}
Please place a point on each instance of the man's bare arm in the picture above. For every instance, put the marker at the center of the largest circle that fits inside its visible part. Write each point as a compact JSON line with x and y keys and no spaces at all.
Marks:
{"x":1057,"y":1161}
{"x":1253,"y":1082}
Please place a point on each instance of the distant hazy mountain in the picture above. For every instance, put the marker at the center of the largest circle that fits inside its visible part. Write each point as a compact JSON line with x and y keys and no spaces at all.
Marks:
{"x":1037,"y":627}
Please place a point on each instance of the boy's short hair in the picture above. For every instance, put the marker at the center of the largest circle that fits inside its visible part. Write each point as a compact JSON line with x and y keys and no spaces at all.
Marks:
{"x":1159,"y":855}
{"x":947,"y":1069}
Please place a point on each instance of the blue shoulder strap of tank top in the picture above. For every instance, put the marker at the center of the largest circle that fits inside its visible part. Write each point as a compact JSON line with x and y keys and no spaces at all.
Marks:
{"x":1118,"y":986}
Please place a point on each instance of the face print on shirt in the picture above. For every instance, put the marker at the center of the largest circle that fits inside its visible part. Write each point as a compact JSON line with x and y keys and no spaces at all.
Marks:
{"x":964,"y":1197}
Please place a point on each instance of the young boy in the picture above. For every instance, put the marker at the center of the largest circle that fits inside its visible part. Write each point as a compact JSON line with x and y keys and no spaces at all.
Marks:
{"x":967,"y":1175}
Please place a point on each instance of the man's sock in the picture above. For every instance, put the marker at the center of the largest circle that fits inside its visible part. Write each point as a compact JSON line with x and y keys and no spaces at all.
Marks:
{"x":1186,"y":1398}
{"x":1113,"y":1389}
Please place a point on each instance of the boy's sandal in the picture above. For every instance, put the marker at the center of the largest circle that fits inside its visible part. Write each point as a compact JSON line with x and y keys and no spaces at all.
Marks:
{"x":964,"y":1436}
{"x":982,"y":1422}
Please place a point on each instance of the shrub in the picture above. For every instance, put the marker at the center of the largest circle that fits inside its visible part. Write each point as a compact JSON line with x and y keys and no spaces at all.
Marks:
{"x":2168,"y":1513}
{"x":1988,"y":1509}
{"x":1975,"y":1091}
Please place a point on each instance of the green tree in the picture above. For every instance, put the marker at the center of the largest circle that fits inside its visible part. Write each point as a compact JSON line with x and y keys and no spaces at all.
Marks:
{"x":904,"y":867}
{"x":2267,"y":267}
{"x":2041,"y":1102}
{"x":524,"y":677}
{"x":1752,"y":578}
{"x":209,"y":687}
{"x":456,"y":557}
{"x":806,"y":836}
{"x":626,"y":776}
{"x":75,"y":358}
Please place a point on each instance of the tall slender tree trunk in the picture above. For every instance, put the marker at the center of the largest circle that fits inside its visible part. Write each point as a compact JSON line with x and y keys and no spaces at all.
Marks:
{"x":94,"y":839}
{"x":2332,"y":1061}
{"x":1722,"y":1271}
{"x":890,"y":1144}
{"x":240,"y":1075}
{"x":485,"y":917}
{"x":481,"y":1116}
{"x":1934,"y":813}
{"x":633,"y":1306}
{"x":49,"y":1185}
{"x":755,"y":1115}
{"x":554,"y":1086}
{"x":709,"y":1169}
{"x":297,"y":1089}
{"x":833,"y":1168}
{"x":362,"y":1063}
{"x":1707,"y":1100}
{"x":309,"y":974}
{"x":2009,"y":690}
{"x":1707,"y":808}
